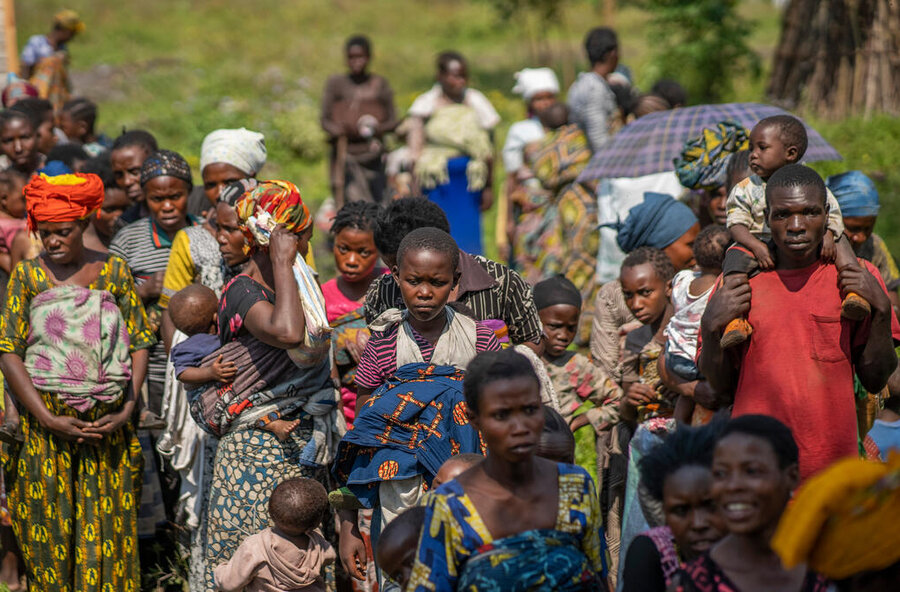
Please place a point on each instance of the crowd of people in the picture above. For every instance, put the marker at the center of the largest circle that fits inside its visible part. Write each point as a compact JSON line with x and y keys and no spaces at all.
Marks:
{"x":684,"y":381}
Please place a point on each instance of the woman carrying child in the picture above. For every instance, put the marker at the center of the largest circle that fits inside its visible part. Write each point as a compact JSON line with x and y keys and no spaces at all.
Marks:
{"x":356,"y":259}
{"x":502,"y":525}
{"x":279,"y":419}
{"x":74,"y":339}
{"x":411,"y":410}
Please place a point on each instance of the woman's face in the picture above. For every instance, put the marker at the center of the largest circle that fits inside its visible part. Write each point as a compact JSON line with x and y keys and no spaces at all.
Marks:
{"x":541,"y":101}
{"x":681,"y":252}
{"x":453,"y":81}
{"x":63,"y":241}
{"x":18,"y":141}
{"x":355,"y":254}
{"x":45,"y":136}
{"x":750,"y":489}
{"x":646,"y":293}
{"x":167,"y":201}
{"x":216,"y":176}
{"x":858,"y":229}
{"x":510,"y":418}
{"x":303,"y":242}
{"x":126,"y":165}
{"x":229,"y":235}
{"x":690,"y":510}
{"x":115,"y":202}
{"x":426,"y":279}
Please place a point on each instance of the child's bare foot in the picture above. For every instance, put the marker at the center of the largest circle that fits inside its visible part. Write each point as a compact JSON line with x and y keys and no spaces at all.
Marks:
{"x":855,"y":308}
{"x":737,"y":332}
{"x":282,"y":428}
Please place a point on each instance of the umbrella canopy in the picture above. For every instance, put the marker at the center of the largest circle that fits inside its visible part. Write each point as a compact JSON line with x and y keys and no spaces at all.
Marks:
{"x":649,"y":145}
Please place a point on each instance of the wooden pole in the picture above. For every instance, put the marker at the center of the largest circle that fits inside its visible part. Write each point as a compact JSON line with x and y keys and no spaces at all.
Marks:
{"x":10,"y":45}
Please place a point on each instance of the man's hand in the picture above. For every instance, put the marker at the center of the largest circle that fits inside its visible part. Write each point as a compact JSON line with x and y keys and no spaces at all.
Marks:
{"x":152,"y":287}
{"x":859,"y":280}
{"x":730,"y":301}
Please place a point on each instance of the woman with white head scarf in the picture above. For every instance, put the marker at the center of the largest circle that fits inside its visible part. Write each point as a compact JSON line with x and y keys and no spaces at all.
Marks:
{"x":229,"y":155}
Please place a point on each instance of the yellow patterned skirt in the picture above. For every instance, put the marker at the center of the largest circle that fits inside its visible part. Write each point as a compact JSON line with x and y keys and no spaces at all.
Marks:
{"x":74,"y":506}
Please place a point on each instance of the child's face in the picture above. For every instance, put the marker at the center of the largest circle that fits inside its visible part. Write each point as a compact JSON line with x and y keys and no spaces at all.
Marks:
{"x":46,"y":137}
{"x":768,"y":152}
{"x":354,"y":254}
{"x":73,"y":128}
{"x":858,"y":229}
{"x":18,"y":141}
{"x":714,"y":200}
{"x":560,"y":323}
{"x":646,"y":294}
{"x":450,"y":470}
{"x":426,"y":279}
{"x":357,"y":60}
{"x":13,"y":199}
{"x":115,"y":201}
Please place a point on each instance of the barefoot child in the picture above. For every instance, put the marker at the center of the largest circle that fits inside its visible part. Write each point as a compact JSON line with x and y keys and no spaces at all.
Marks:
{"x":411,"y":412}
{"x":775,"y":142}
{"x":588,"y":399}
{"x":288,"y":556}
{"x":356,"y":259}
{"x":12,"y":215}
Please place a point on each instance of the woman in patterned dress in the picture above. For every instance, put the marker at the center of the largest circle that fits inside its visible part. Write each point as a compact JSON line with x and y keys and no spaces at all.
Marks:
{"x":502,"y":525}
{"x":74,"y":338}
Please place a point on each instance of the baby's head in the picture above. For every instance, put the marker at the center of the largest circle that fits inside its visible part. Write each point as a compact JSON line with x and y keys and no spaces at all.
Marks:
{"x":557,"y":441}
{"x":454,"y":466}
{"x":709,"y":248}
{"x":402,"y":216}
{"x":193,"y":310}
{"x":775,"y":142}
{"x":555,"y":116}
{"x":738,"y":169}
{"x":12,"y":196}
{"x":427,"y":270}
{"x":298,"y":505}
{"x":558,"y":303}
{"x":646,"y":278}
{"x":395,"y":552}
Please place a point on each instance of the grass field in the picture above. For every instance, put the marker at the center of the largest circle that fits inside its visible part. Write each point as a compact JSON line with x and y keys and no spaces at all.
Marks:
{"x":182,"y":68}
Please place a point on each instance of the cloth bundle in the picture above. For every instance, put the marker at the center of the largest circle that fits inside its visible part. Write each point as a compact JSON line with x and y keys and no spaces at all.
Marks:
{"x":704,"y":160}
{"x":451,"y":132}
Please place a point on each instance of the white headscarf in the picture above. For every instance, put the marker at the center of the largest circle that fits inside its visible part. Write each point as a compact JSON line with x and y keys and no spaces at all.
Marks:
{"x":532,"y":81}
{"x":243,"y":149}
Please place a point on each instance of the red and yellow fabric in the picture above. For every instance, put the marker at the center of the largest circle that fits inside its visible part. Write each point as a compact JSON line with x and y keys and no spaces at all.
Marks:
{"x":63,"y":198}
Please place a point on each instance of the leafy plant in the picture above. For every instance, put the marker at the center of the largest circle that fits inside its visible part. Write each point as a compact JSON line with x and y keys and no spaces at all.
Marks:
{"x":700,"y":43}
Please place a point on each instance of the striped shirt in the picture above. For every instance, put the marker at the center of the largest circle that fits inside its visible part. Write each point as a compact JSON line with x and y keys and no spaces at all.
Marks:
{"x":379,"y":360}
{"x":145,"y":248}
{"x":492,"y":291}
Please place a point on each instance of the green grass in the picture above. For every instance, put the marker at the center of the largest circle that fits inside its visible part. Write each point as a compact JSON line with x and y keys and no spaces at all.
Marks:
{"x":181,"y":69}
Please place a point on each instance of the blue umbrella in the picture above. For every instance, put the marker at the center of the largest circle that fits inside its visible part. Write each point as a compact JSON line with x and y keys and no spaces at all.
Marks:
{"x":649,"y":145}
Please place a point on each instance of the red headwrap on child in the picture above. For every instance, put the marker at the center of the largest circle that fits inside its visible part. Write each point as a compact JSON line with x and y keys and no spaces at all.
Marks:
{"x":63,"y":198}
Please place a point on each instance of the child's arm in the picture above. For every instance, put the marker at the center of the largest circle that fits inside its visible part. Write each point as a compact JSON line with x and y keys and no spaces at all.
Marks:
{"x":241,"y":569}
{"x":741,"y":235}
{"x":219,"y":372}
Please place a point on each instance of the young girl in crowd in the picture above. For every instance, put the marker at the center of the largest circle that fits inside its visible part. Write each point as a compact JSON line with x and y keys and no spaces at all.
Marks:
{"x":288,"y":556}
{"x":19,"y":142}
{"x":356,"y":258}
{"x":12,"y":215}
{"x":690,"y":293}
{"x":775,"y":142}
{"x":588,"y":399}
{"x":411,"y":364}
{"x":548,"y":531}
{"x":754,"y":471}
{"x":677,"y":475}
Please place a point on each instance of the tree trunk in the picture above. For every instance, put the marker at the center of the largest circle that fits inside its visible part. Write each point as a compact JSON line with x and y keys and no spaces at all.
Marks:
{"x":839,"y":57}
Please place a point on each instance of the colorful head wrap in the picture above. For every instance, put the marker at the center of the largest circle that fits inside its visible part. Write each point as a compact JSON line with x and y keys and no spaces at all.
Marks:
{"x":63,"y":198}
{"x":165,"y":163}
{"x":267,"y":205}
{"x":241,"y":148}
{"x":855,"y":193}
{"x":704,"y":160}
{"x":657,"y":222}
{"x":843,"y":521}
{"x":17,"y":89}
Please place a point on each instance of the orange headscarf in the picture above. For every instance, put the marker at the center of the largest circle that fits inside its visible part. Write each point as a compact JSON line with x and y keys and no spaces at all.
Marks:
{"x":63,"y":198}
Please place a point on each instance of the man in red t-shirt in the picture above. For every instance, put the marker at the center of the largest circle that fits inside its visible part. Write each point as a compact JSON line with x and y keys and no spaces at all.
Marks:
{"x":799,"y":363}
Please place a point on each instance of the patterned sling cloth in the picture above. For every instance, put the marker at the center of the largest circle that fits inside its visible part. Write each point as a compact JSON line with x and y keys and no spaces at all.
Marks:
{"x":451,"y":132}
{"x":532,"y":560}
{"x":409,"y":427}
{"x":78,"y":346}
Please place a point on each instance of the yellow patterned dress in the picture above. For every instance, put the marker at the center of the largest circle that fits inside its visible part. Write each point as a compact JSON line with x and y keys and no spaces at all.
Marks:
{"x":74,"y":506}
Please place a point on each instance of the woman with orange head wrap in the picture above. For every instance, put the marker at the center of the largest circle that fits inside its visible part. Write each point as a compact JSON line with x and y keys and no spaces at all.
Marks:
{"x":73,"y":340}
